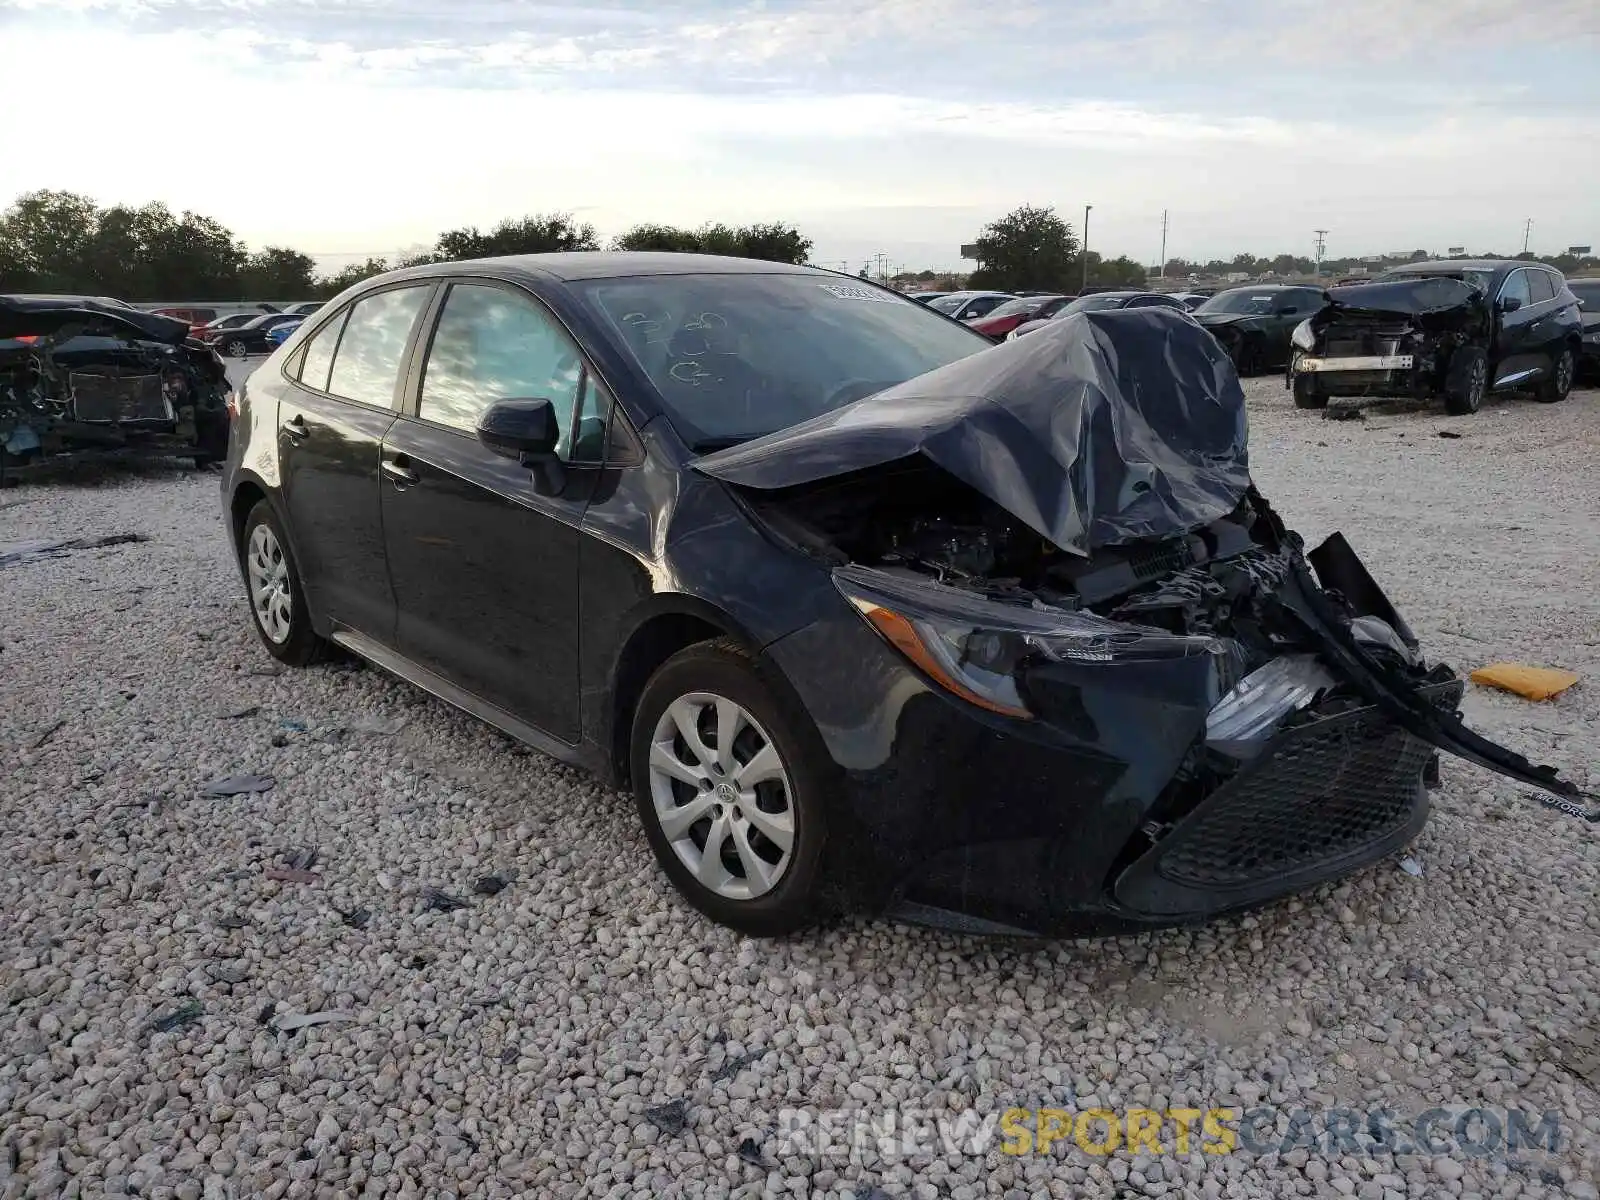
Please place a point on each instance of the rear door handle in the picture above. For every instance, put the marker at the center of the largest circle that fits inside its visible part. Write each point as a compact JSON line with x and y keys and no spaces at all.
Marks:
{"x":295,"y":428}
{"x":397,"y":470}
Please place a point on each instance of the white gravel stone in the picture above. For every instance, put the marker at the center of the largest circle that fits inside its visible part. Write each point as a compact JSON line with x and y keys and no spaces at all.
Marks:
{"x":519,"y":1046}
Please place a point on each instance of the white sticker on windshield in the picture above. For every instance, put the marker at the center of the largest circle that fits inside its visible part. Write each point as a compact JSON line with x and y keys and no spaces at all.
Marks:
{"x":846,"y":292}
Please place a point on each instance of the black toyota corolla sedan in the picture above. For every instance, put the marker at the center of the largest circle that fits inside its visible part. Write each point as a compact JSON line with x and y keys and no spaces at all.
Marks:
{"x":868,"y":613}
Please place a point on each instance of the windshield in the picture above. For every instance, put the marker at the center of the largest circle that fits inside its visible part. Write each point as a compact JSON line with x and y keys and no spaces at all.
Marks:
{"x":1019,"y":308}
{"x":1090,"y":303}
{"x":1477,"y":279}
{"x":734,"y":357}
{"x":1243,"y":300}
{"x":949,"y":304}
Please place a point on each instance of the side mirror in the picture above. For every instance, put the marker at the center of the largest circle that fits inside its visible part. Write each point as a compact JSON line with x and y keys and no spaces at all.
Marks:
{"x":526,"y":430}
{"x":1509,"y":304}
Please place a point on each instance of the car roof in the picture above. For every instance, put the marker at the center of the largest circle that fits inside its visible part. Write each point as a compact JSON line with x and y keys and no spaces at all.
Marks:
{"x":571,"y":265}
{"x":1443,"y":266}
{"x":1268,"y":287}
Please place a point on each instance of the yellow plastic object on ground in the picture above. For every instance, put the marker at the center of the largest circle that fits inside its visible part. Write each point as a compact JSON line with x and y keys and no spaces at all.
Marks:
{"x":1536,"y":683}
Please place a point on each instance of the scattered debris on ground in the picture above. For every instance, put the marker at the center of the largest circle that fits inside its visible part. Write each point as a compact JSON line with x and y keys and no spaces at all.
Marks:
{"x":1533,"y":683}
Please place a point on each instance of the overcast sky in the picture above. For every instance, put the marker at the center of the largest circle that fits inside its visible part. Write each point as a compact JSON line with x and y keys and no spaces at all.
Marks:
{"x":356,"y":126}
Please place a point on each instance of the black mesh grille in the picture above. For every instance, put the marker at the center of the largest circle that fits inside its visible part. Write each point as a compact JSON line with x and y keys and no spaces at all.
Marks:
{"x":117,"y":398}
{"x":1326,"y":789}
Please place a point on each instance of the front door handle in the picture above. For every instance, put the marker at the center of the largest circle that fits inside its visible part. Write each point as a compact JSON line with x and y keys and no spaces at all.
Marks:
{"x":295,"y":428}
{"x":396,"y":469}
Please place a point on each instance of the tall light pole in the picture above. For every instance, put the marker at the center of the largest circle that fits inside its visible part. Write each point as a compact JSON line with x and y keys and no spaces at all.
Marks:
{"x":1527,"y":229}
{"x":1321,"y":245}
{"x":1163,"y":243}
{"x":1085,"y":251}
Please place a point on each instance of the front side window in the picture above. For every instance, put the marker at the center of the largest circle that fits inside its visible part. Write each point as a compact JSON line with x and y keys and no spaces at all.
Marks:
{"x":1516,"y":288}
{"x":319,"y":353}
{"x":733,"y":357}
{"x":495,"y":344}
{"x":366,"y":367}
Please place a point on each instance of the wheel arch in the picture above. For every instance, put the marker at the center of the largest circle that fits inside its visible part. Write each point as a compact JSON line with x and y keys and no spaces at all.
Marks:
{"x":662,"y":629}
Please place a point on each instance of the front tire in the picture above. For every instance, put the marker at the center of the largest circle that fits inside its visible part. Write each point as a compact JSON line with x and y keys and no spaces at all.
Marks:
{"x":1555,"y":386}
{"x":1306,"y":394}
{"x":277,"y":597}
{"x":1467,"y":381}
{"x":729,"y":778}
{"x":236,"y":348}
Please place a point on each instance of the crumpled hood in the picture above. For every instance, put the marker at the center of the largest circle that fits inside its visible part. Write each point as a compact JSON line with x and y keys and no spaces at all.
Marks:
{"x":1427,"y":296}
{"x":21,"y":316}
{"x":1106,"y":427}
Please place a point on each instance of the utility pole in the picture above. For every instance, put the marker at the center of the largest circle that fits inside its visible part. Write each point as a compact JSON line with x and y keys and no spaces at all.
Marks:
{"x":1527,"y":228}
{"x":1163,"y":243}
{"x":1084,"y":286}
{"x":1321,"y":245}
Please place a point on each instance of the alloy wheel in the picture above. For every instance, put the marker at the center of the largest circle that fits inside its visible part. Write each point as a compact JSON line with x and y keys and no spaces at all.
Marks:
{"x":270,"y":596}
{"x":237,"y":349}
{"x":1564,"y":373}
{"x":1478,"y":384}
{"x":722,"y":795}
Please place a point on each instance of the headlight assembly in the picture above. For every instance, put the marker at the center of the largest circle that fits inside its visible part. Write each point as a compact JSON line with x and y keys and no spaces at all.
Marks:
{"x":973,"y":647}
{"x":1302,"y":338}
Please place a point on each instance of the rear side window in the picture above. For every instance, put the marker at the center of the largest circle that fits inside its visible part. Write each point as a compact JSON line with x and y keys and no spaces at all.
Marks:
{"x":319,"y":353}
{"x":367,"y":364}
{"x":1542,"y":285}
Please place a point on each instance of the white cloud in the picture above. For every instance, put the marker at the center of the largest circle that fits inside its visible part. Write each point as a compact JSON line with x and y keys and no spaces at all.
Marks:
{"x":406,"y":118}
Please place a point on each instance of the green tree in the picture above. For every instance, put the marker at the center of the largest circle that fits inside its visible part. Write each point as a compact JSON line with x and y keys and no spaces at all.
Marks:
{"x":658,"y":237}
{"x":774,"y":242}
{"x":541,"y":233}
{"x":350,"y":275}
{"x":1029,"y":247}
{"x":275,"y":273}
{"x":42,"y":239}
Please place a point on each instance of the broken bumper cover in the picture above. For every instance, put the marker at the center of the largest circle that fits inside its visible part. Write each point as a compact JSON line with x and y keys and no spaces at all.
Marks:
{"x":1312,"y":365}
{"x":1321,"y":800}
{"x":1089,"y":815}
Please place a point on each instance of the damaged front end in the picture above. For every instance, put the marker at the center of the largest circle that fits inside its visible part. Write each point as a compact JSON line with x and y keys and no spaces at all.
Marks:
{"x":81,"y":378}
{"x":1421,"y":338}
{"x":1061,"y":534}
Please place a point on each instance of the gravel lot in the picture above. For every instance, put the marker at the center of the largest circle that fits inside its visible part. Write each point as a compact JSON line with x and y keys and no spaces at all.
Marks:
{"x":513,"y":1047}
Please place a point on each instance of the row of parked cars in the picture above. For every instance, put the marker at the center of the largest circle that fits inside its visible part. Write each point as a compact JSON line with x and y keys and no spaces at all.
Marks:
{"x":1453,"y":329}
{"x":241,"y":334}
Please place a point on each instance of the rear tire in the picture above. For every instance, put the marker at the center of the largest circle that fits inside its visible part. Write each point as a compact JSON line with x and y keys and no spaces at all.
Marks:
{"x":1306,"y":394}
{"x":708,"y":810}
{"x":277,"y":597}
{"x":1467,"y":381}
{"x":1556,"y":385}
{"x":236,"y":349}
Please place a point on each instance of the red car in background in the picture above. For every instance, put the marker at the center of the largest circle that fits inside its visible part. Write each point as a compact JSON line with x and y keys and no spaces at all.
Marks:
{"x":197,"y":318}
{"x":1008,"y":316}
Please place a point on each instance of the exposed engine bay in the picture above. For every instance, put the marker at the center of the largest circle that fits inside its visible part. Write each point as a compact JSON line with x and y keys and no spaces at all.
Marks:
{"x":921,"y":520}
{"x":1402,"y":338}
{"x":82,"y":377}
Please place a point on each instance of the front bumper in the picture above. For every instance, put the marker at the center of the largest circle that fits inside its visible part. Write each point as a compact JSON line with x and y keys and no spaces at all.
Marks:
{"x":1311,"y":364}
{"x":1094,"y":818}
